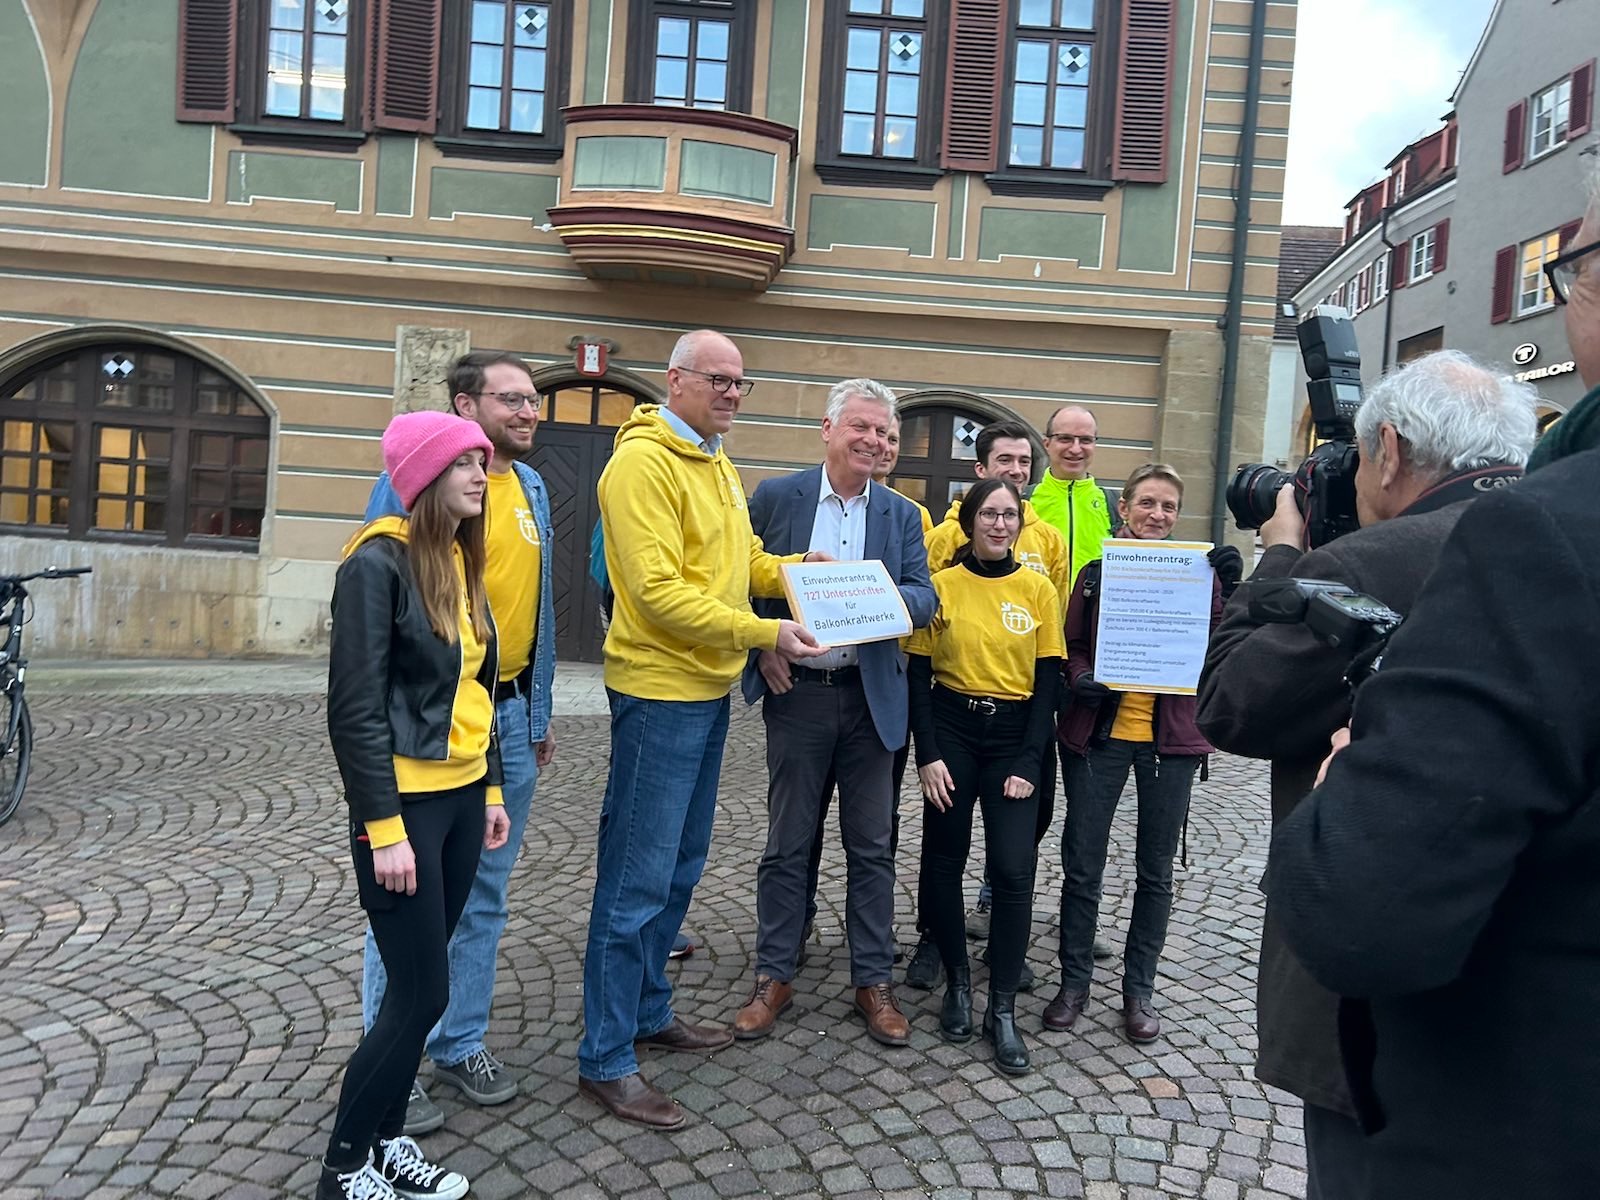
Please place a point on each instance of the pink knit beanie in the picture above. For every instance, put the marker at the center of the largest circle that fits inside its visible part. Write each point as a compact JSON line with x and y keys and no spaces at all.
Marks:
{"x":419,"y":446}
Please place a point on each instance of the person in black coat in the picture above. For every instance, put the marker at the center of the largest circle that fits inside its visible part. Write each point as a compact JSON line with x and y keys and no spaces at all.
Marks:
{"x":1433,"y":435}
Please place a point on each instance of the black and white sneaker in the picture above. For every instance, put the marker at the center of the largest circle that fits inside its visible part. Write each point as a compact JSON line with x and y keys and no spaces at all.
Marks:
{"x":364,"y":1183}
{"x":413,"y":1177}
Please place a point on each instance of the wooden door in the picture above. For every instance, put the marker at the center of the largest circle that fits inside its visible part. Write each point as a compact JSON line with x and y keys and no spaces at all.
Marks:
{"x":570,"y":459}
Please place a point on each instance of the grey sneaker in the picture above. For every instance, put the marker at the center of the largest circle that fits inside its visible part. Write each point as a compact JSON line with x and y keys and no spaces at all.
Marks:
{"x":481,"y":1077}
{"x":1103,"y":950}
{"x":978,"y":923}
{"x":422,"y":1114}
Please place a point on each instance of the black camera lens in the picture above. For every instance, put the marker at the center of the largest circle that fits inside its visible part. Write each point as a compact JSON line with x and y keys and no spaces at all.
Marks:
{"x":1253,"y":494}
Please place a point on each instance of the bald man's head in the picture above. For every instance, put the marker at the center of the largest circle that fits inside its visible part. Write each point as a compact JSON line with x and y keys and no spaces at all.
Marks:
{"x":1070,"y":436}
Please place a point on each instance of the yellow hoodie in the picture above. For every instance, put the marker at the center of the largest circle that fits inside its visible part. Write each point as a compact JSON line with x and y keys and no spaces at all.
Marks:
{"x":683,"y":563}
{"x":1040,"y":547}
{"x":471,"y":717}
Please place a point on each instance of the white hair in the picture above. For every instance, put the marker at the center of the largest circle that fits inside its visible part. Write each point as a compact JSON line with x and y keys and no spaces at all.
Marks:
{"x":867,"y":389}
{"x":1455,"y":414}
{"x":685,"y":350}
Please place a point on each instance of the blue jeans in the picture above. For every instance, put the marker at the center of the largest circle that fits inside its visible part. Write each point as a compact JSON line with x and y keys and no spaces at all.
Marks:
{"x":476,"y":943}
{"x":655,"y":830}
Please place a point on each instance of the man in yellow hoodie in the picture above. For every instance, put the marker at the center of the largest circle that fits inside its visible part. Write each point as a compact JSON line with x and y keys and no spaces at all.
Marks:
{"x":683,"y":564}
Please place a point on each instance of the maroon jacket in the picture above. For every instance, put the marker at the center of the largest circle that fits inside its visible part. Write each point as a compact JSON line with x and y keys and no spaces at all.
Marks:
{"x":1175,"y":728}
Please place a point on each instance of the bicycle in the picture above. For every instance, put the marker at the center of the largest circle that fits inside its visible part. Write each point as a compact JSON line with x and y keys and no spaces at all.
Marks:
{"x":16,"y":751}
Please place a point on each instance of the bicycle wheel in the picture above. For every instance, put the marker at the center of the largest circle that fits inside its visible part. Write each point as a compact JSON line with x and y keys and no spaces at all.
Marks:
{"x":17,"y":755}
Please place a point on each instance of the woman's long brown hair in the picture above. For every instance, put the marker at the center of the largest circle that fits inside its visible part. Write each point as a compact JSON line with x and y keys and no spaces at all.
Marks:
{"x":428,"y":546}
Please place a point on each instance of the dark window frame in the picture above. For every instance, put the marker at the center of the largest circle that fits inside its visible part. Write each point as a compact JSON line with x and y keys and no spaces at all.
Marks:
{"x":255,"y":125}
{"x":1092,"y":180}
{"x":182,"y":423}
{"x":455,"y":138}
{"x":923,"y":170}
{"x":639,"y":83}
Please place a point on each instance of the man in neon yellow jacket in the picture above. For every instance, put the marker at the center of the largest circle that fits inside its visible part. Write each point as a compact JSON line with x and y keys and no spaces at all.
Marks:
{"x":1068,"y":496}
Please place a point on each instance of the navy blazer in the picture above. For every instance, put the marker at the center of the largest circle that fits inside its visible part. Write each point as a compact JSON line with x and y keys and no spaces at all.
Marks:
{"x":782,"y":512}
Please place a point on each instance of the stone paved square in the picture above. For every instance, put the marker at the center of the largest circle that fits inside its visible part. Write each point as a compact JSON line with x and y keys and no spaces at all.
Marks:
{"x":180,"y":958}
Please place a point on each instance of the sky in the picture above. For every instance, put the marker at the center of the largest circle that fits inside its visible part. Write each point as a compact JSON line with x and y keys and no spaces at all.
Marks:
{"x":1370,"y":77}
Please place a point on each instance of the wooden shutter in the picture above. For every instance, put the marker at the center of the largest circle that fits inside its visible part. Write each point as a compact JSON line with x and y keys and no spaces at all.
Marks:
{"x":1441,"y":244}
{"x":208,"y":42}
{"x":1568,"y":232}
{"x":406,"y":73}
{"x":1516,"y":136}
{"x":1144,"y":91}
{"x":1582,"y":111}
{"x":977,"y":73}
{"x":1399,"y":266}
{"x":1505,"y":285}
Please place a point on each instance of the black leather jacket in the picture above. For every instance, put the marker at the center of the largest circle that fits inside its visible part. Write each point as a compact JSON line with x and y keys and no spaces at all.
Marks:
{"x":391,"y":679}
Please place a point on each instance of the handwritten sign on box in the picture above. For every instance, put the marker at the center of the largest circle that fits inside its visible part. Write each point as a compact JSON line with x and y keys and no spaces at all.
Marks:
{"x":1155,"y":616}
{"x":846,"y":603}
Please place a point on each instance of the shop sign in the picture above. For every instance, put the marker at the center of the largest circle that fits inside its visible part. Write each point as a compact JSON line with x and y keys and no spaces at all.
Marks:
{"x":1565,"y":368}
{"x":1525,"y":354}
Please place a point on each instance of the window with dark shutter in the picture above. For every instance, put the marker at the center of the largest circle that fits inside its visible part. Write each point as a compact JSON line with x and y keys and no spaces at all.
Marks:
{"x":504,"y":79}
{"x":1505,"y":282}
{"x":1581,"y":117}
{"x":1516,"y":127}
{"x":978,"y":30}
{"x":1566,"y":233}
{"x":406,"y":73}
{"x":302,"y":71}
{"x":1399,"y":265}
{"x":207,"y":45}
{"x":1144,"y":91}
{"x":1441,"y":244}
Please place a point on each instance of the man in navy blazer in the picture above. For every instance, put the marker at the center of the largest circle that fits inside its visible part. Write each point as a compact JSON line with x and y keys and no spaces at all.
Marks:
{"x":844,"y":714}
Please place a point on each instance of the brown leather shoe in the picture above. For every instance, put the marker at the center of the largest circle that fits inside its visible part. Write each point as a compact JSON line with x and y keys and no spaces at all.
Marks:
{"x":885,"y":1022}
{"x":768,"y":998}
{"x":632,"y":1099}
{"x":1062,"y":1013}
{"x":1139,"y":1020}
{"x":691,"y":1039}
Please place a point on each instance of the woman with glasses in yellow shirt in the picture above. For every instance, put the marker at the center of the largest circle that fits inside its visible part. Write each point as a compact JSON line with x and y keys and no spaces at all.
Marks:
{"x":983,"y":677}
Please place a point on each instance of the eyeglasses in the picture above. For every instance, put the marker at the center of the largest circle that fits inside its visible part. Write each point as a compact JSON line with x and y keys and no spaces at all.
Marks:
{"x":1562,"y":270}
{"x":721,"y":383}
{"x":989,"y":516}
{"x":1067,"y":439}
{"x":515,"y":401}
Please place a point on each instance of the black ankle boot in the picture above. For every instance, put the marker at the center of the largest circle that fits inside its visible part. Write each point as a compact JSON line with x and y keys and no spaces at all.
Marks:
{"x":955,"y":1018}
{"x":1000,"y":1027}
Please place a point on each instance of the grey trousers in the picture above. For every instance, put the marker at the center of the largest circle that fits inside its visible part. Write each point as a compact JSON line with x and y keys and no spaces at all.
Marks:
{"x":812,"y":730}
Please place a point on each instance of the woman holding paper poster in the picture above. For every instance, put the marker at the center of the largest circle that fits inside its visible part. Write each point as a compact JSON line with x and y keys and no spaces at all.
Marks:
{"x":1106,"y":734}
{"x":984,"y":676}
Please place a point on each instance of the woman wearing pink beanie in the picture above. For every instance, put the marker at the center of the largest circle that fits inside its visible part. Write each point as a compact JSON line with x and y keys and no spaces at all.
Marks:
{"x":411,"y":677}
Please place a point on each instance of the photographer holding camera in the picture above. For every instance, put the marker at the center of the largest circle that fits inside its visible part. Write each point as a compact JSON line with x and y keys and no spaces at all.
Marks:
{"x":1431,"y":436}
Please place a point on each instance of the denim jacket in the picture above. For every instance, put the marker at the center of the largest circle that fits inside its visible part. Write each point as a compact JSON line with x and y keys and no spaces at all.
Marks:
{"x":385,"y":502}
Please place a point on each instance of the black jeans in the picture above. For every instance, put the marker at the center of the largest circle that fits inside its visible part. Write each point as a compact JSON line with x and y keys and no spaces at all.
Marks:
{"x":980,"y":752}
{"x":413,"y":934}
{"x":1337,"y":1166}
{"x":1094,"y":784}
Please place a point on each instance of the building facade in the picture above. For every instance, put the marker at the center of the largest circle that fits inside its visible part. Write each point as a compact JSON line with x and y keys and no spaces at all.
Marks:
{"x":238,"y":235}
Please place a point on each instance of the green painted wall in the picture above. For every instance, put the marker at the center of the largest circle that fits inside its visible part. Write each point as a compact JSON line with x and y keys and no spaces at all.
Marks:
{"x":731,"y":172}
{"x":1023,"y":233}
{"x":620,"y":162}
{"x":257,"y":173}
{"x":397,"y":163}
{"x":849,"y":221}
{"x":24,"y":99}
{"x":597,"y":52}
{"x":785,"y":64}
{"x":121,"y":135}
{"x":499,"y":193}
{"x":1148,"y":239}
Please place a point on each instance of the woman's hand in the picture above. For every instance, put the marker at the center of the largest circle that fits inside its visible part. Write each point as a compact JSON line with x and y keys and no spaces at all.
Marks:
{"x":1341,"y":739}
{"x":1017,"y":788}
{"x":937,"y":785}
{"x":395,"y":867}
{"x":496,"y":826}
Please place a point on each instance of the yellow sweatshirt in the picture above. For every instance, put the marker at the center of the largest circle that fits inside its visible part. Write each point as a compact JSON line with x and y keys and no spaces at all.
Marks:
{"x":471,"y":717}
{"x":683,"y":564}
{"x":1040,"y":547}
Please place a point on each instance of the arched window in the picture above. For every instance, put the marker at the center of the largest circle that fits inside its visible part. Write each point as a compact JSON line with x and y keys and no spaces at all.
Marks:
{"x":132,"y":443}
{"x":939,"y":447}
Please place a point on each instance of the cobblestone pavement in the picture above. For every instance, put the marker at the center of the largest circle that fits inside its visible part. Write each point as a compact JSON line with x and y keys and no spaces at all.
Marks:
{"x":179,"y":957}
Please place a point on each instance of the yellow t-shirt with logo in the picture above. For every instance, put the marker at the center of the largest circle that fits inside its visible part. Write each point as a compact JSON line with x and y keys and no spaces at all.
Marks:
{"x":989,"y":631}
{"x":511,"y":573}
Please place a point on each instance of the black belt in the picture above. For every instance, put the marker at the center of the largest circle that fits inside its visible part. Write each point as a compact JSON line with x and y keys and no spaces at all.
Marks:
{"x":517,"y":686}
{"x":987,"y":705}
{"x":827,"y":676}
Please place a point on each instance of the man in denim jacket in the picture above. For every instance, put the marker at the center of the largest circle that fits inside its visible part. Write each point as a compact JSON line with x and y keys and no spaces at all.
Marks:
{"x":495,"y":390}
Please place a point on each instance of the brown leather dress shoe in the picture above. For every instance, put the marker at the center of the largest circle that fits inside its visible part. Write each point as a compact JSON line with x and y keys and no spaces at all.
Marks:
{"x":691,"y":1039}
{"x":885,"y":1022}
{"x":768,"y":998}
{"x":1062,"y":1013}
{"x":1139,"y":1020}
{"x":632,"y":1099}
